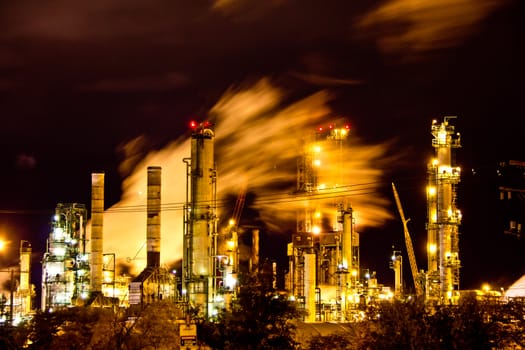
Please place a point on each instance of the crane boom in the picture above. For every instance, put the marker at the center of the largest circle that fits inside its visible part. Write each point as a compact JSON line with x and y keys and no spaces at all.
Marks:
{"x":408,"y":242}
{"x":239,"y":204}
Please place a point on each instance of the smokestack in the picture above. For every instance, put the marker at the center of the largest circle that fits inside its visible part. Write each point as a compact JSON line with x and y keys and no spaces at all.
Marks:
{"x":254,"y":260}
{"x":97,"y":219}
{"x":153,"y":218}
{"x":25,"y":273}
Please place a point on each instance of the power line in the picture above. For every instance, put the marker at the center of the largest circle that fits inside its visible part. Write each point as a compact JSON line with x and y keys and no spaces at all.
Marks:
{"x":353,"y":190}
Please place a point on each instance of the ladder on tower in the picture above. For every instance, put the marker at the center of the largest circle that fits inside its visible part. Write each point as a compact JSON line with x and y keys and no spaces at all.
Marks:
{"x":408,"y":242}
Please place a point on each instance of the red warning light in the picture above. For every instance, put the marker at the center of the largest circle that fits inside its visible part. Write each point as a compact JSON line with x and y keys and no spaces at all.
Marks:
{"x":347,"y":126}
{"x":193,"y":124}
{"x":331,"y":126}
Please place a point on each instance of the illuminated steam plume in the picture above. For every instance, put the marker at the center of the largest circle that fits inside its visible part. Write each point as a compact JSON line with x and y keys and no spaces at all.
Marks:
{"x":258,"y":138}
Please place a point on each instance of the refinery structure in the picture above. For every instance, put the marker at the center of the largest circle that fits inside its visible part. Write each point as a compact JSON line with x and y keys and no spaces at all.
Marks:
{"x":324,"y":274}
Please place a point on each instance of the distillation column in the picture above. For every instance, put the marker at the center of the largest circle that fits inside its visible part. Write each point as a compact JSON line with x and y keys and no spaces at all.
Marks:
{"x":443,"y":217}
{"x":200,"y":242}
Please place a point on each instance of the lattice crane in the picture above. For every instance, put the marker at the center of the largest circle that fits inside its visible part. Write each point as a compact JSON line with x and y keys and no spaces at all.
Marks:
{"x":239,"y":205}
{"x":408,"y":242}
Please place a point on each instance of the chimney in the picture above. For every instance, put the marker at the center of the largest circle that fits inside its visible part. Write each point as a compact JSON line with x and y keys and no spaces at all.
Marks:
{"x":153,"y":218}
{"x":97,"y":219}
{"x":25,"y":276}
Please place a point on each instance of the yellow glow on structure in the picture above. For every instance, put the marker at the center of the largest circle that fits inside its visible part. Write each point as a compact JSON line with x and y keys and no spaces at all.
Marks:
{"x":317,"y":149}
{"x":431,"y":191}
{"x":432,"y":248}
{"x":442,"y":137}
{"x":316,"y":230}
{"x":230,"y":281}
{"x":317,"y":162}
{"x":231,"y":245}
{"x":449,"y":212}
{"x":354,"y":273}
{"x":59,"y":251}
{"x":445,"y":170}
{"x":344,"y":132}
{"x":317,"y":214}
{"x":433,"y":215}
{"x":107,"y":277}
{"x":322,"y":186}
{"x":231,"y":222}
{"x":485,"y":287}
{"x":58,"y":233}
{"x":434,"y":161}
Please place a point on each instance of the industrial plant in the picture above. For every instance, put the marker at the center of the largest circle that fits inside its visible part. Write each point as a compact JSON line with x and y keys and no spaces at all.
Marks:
{"x":324,"y":273}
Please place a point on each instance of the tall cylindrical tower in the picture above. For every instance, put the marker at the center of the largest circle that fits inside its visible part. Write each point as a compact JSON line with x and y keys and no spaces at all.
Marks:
{"x":97,"y":220}
{"x":444,"y":217}
{"x":153,"y":216}
{"x":25,"y":273}
{"x":200,"y":243}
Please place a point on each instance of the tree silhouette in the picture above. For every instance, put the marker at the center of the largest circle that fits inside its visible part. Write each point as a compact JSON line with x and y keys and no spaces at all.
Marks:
{"x":260,"y":318}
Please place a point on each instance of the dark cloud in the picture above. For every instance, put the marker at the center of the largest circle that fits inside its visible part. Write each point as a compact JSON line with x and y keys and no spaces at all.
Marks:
{"x":411,"y":27}
{"x":25,"y":162}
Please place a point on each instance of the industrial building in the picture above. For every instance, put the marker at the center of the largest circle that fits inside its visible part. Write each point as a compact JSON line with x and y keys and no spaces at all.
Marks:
{"x":66,"y":272}
{"x":324,"y":277}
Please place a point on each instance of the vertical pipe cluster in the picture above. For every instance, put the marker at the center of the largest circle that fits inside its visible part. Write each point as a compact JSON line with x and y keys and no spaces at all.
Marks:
{"x":309,"y":285}
{"x":153,"y":216}
{"x":97,"y":220}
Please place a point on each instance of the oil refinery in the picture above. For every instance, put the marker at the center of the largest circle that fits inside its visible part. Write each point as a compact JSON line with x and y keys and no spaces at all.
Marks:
{"x":324,"y":273}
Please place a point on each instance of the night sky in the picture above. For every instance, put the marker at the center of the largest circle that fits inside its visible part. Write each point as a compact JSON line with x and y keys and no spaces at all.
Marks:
{"x":80,"y":80}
